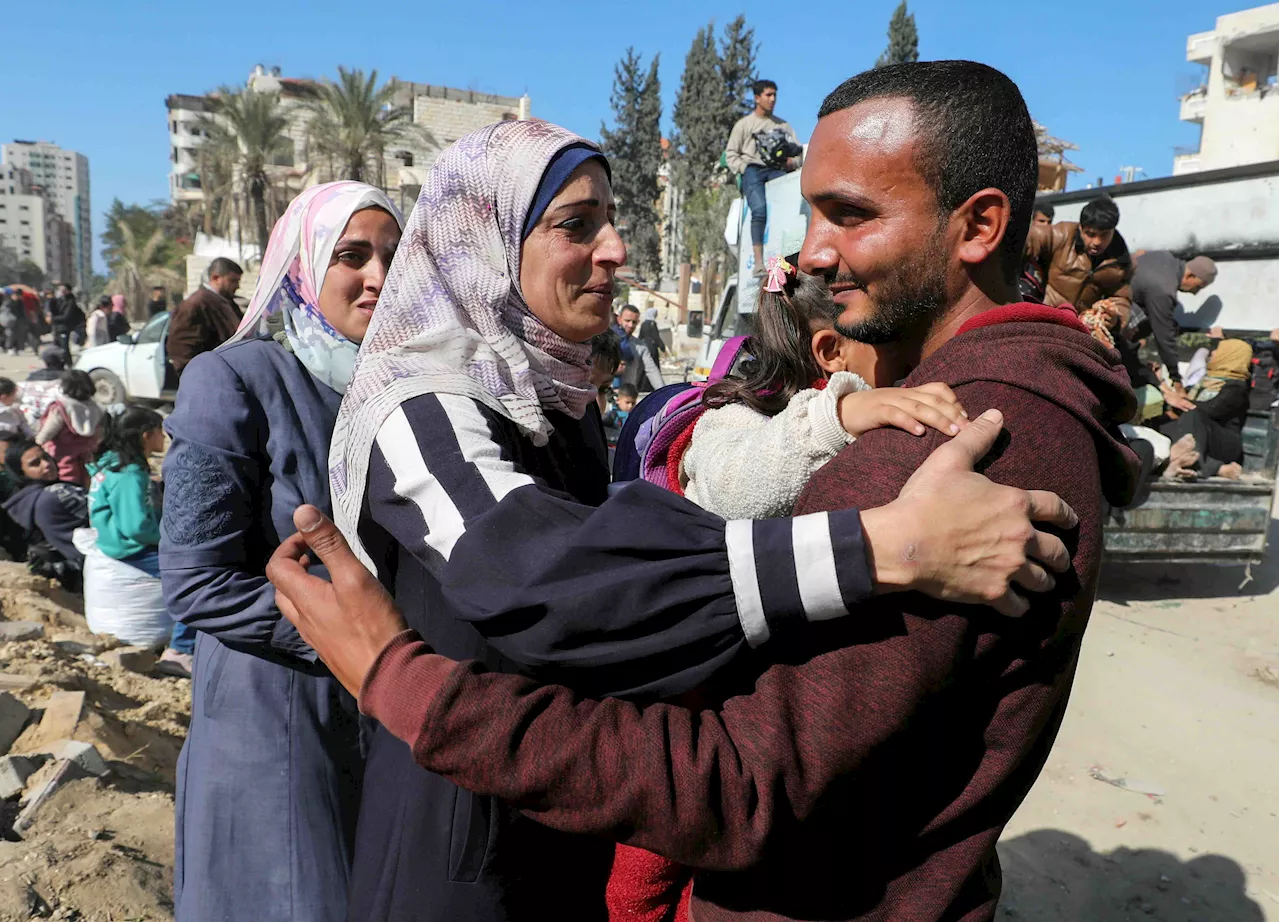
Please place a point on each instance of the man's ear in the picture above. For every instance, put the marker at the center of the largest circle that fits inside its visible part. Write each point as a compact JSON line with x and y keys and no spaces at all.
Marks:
{"x":825,"y":345}
{"x":985,"y":220}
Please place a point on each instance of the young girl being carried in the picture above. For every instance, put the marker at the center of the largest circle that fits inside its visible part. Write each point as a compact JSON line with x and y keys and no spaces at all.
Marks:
{"x":71,"y":427}
{"x":806,"y":392}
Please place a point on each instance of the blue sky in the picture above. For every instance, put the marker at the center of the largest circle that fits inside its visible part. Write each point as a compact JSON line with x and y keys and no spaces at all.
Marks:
{"x":1105,"y":75}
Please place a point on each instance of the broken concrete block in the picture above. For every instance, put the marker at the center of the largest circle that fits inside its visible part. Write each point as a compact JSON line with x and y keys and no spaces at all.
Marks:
{"x":14,"y":772}
{"x":13,"y":718}
{"x":63,"y":774}
{"x":20,"y":630}
{"x":85,"y":755}
{"x":135,"y":659}
{"x":61,"y":715}
{"x":11,"y":682}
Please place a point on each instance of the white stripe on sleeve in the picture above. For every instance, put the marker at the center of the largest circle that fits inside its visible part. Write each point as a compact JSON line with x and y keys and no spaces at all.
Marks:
{"x":739,"y":544}
{"x":816,"y":567}
{"x":471,"y":429}
{"x":415,"y":483}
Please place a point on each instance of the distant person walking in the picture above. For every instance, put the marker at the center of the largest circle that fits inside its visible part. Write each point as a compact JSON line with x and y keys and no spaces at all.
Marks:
{"x":66,"y":317}
{"x":159,"y":303}
{"x":208,"y":318}
{"x":98,"y":326}
{"x":13,"y":321}
{"x":118,"y":321}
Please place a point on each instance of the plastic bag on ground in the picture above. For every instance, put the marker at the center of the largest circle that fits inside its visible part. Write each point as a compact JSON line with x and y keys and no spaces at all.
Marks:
{"x":120,"y":599}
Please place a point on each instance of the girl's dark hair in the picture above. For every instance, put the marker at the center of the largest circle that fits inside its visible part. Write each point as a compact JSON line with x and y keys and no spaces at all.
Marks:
{"x":124,"y":436}
{"x":76,"y":384}
{"x":7,"y":387}
{"x":782,"y":362}
{"x":13,"y":457}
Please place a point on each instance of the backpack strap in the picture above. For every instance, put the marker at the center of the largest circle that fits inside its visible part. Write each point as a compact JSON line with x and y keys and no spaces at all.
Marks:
{"x":726,"y":358}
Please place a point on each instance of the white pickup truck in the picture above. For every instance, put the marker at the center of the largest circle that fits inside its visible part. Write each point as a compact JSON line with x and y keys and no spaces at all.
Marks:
{"x":134,"y":368}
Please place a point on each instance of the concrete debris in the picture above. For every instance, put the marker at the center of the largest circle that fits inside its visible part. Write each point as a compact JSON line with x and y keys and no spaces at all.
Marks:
{"x":64,"y":773}
{"x":14,"y":772}
{"x":13,"y":719}
{"x":20,"y":630}
{"x":135,"y":659}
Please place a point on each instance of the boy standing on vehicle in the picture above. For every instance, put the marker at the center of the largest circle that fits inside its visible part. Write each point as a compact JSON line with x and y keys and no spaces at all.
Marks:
{"x":761,"y":147}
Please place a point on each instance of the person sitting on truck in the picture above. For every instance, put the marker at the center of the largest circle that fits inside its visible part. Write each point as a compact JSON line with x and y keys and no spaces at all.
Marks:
{"x":1086,"y":265}
{"x":1213,"y":427}
{"x":1042,"y":215}
{"x":761,"y":147}
{"x":1158,"y":276}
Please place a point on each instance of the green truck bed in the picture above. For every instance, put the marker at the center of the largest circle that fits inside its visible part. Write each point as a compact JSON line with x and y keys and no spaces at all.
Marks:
{"x":1211,"y":521}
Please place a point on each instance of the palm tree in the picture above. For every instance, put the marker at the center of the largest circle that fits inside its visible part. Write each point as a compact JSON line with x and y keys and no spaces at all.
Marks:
{"x":138,"y":266}
{"x":247,"y":130}
{"x":354,"y":123}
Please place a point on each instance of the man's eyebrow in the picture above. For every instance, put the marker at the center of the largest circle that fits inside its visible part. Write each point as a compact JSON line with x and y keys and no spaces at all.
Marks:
{"x":843,"y":197}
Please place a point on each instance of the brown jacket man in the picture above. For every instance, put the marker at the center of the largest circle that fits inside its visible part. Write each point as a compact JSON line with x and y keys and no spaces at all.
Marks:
{"x":206,"y":319}
{"x":1071,"y":275}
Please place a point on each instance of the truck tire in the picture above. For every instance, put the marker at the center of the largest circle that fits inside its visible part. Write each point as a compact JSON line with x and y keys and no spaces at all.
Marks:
{"x":108,"y":389}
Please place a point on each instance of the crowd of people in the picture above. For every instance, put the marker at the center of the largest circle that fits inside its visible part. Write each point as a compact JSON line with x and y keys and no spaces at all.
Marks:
{"x":1192,"y":411}
{"x":452,"y":661}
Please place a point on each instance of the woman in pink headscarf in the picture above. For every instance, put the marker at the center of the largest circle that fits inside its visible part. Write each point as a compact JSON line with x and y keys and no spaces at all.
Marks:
{"x":118,"y":321}
{"x":269,"y":780}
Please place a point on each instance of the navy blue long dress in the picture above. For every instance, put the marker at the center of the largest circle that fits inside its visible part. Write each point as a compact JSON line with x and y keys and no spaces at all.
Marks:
{"x":269,"y":779}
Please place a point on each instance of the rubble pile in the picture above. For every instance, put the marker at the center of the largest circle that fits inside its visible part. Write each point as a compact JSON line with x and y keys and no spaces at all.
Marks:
{"x":89,"y":745}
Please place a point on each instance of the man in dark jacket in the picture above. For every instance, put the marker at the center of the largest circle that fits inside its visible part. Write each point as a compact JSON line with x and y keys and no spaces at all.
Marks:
{"x":158,"y":303}
{"x":208,"y":317}
{"x":1158,"y":276}
{"x":869,"y":772}
{"x":1085,"y":263}
{"x":67,"y":317}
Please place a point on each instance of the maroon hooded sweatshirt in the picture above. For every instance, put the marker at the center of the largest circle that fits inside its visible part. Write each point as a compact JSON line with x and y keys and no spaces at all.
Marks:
{"x":869,"y":774}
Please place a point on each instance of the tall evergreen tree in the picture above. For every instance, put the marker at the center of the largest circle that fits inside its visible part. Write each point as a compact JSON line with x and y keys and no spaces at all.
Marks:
{"x":634,"y":147}
{"x":738,"y":50}
{"x":700,"y":135}
{"x":903,"y":39}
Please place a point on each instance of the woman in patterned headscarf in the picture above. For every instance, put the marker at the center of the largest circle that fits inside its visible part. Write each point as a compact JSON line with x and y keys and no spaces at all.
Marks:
{"x":468,"y":469}
{"x":269,"y":780}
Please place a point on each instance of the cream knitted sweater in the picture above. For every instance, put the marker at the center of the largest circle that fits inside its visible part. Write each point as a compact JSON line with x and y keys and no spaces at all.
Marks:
{"x":741,"y":464}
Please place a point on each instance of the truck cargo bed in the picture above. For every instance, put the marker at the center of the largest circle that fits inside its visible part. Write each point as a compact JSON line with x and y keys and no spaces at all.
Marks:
{"x":1214,"y":521}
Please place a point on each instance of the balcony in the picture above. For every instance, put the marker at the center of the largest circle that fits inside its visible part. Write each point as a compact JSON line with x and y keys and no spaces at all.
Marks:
{"x":1193,"y":105}
{"x":1201,"y":46}
{"x":1186,"y":163}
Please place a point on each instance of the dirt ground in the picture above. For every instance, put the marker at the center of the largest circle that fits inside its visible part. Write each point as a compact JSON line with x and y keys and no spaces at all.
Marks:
{"x":1159,"y":800}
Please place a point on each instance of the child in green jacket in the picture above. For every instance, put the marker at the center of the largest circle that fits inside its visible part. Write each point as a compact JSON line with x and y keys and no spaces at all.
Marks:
{"x":123,"y":510}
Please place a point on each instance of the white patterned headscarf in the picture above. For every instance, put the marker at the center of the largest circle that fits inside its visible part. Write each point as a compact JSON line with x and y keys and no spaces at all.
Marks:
{"x":451,"y":318}
{"x":293,"y":271}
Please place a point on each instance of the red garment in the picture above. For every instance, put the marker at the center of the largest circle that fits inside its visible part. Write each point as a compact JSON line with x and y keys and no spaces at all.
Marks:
{"x":644,"y":887}
{"x":869,"y":775}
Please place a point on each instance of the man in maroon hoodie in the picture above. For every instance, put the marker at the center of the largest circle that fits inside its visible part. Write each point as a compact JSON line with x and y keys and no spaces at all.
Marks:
{"x":869,"y":773}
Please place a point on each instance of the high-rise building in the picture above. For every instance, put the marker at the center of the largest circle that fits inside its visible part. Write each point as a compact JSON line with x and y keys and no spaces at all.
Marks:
{"x":30,"y":225}
{"x":1238,"y":105}
{"x":62,"y":178}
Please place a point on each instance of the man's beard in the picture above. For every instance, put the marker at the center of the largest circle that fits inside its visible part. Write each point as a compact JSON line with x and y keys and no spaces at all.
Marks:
{"x":909,"y":299}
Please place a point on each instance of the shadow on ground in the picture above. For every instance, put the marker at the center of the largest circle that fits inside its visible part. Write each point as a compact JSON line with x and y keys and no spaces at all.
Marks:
{"x":1148,"y":582}
{"x":1055,"y":876}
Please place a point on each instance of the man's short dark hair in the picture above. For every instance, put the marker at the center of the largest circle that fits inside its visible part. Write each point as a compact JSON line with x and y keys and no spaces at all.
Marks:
{"x":1101,"y":214}
{"x":606,"y":350}
{"x":628,"y":390}
{"x":628,"y":307}
{"x":7,"y":387}
{"x":973,"y":132}
{"x":760,"y":86}
{"x":223,"y":266}
{"x":1043,"y":208}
